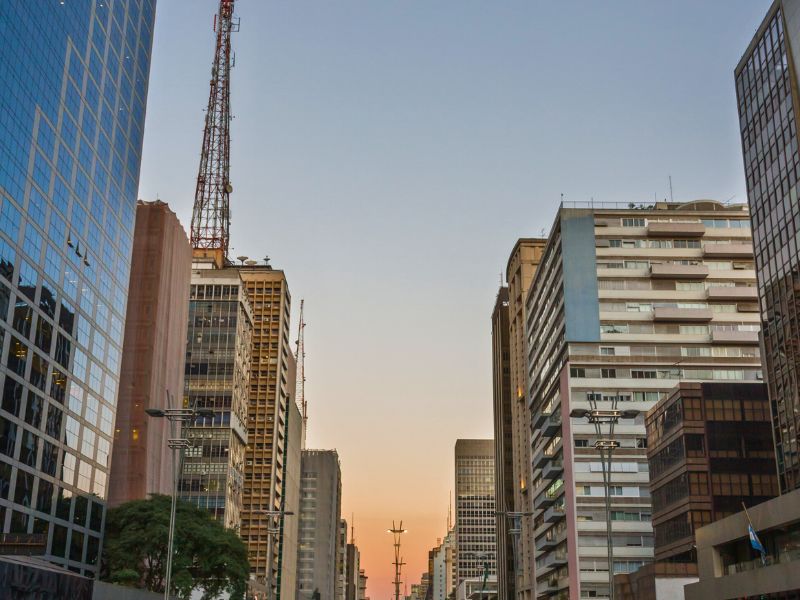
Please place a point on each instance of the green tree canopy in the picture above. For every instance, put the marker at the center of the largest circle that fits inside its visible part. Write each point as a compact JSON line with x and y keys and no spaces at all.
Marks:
{"x":207,"y":555}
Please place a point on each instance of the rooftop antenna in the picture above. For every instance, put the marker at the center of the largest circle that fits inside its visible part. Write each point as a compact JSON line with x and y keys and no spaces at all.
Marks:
{"x":300,"y":381}
{"x":450,"y":511}
{"x":353,"y":528}
{"x":670,"y":188}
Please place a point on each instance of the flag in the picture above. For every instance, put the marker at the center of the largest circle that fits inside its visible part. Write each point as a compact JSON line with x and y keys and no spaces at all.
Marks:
{"x":756,"y":543}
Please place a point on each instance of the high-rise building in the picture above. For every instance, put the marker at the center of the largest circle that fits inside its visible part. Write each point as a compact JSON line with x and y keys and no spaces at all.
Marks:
{"x":217,"y":378}
{"x":319,"y":520}
{"x":769,"y":103}
{"x":362,"y":585}
{"x":476,"y":545}
{"x":503,"y":454}
{"x":353,"y":568}
{"x":74,"y":78}
{"x":626,"y":303}
{"x":153,"y":354}
{"x":444,"y":568}
{"x":340,"y":590}
{"x":521,"y":267}
{"x":709,"y":447}
{"x":291,"y":489}
{"x":271,"y":391}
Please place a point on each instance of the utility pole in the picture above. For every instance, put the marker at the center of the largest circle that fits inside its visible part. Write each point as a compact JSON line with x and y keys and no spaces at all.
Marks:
{"x":398,"y":563}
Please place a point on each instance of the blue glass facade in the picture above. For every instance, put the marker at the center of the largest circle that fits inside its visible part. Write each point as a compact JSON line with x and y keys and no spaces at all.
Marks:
{"x":73,"y":75}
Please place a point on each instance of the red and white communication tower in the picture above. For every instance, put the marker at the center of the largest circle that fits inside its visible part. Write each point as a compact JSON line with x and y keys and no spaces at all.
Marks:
{"x":211,"y":214}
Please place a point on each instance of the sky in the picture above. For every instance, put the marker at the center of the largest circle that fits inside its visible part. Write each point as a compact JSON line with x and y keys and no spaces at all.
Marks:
{"x":387,"y":155}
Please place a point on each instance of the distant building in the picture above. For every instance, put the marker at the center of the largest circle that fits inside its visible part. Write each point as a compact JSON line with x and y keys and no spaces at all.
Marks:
{"x":709,"y":446}
{"x":444,"y":568}
{"x":341,"y":561}
{"x":353,"y":568}
{"x":520,"y":270}
{"x":217,"y":378}
{"x":319,"y":521}
{"x":475,"y":588}
{"x":503,"y":450}
{"x":627,"y":302}
{"x":476,"y":546}
{"x":153,"y":355}
{"x":271,"y":390}
{"x":769,"y":104}
{"x":291,"y":487}
{"x":729,"y":567}
{"x":362,"y":585}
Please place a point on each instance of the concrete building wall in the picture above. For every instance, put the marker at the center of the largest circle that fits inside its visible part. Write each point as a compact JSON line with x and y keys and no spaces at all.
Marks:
{"x":319,"y":523}
{"x":153,"y":354}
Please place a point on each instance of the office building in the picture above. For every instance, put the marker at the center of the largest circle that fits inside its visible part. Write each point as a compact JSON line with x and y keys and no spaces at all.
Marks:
{"x":340,"y":590}
{"x":728,"y":565}
{"x":74,"y":78}
{"x":271,"y":391}
{"x":768,"y":102}
{"x":655,"y":581}
{"x":503,"y":458}
{"x":217,"y":378}
{"x":319,"y":520}
{"x":521,"y":267}
{"x":153,"y":355}
{"x":291,"y":485}
{"x":627,"y":302}
{"x":476,"y":546}
{"x":709,"y":447}
{"x":362,"y":585}
{"x":353,"y":568}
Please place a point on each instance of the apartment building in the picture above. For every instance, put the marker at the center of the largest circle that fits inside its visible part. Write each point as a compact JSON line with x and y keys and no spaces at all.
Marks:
{"x":522,"y":263}
{"x":627,"y":301}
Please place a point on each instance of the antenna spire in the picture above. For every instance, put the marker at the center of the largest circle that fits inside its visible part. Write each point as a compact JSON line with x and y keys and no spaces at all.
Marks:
{"x":211,"y":213}
{"x":300,"y":382}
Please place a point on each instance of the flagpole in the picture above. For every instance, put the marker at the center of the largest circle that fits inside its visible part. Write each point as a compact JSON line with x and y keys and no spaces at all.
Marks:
{"x":762,"y":550}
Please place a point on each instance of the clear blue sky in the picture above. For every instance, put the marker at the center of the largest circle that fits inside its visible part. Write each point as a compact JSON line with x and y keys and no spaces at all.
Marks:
{"x":388,"y":154}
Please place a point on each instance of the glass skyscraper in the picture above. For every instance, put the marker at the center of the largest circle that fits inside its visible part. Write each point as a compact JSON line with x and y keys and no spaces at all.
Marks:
{"x":767,"y":95}
{"x":74,"y":79}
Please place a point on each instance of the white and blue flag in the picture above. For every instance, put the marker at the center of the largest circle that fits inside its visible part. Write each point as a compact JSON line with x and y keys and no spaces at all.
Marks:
{"x":756,"y":543}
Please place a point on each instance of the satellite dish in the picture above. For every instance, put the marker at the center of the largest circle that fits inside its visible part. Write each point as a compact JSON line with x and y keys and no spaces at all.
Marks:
{"x":242,"y":258}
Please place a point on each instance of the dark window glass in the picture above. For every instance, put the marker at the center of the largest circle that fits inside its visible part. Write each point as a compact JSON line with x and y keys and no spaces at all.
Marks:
{"x":23,"y":316}
{"x":38,"y":376}
{"x":23,"y":492}
{"x":58,"y":386}
{"x":96,"y":517}
{"x":17,"y":356}
{"x":5,"y":298}
{"x":81,"y":510}
{"x":5,"y":480}
{"x":33,"y":411}
{"x":29,"y":449}
{"x":12,"y":396}
{"x":92,"y":548}
{"x":59,"y":545}
{"x":44,"y":496}
{"x":76,"y":546}
{"x":19,"y":522}
{"x":44,"y":335}
{"x":63,"y":503}
{"x":8,"y":436}
{"x":49,"y":458}
{"x":63,"y":347}
{"x":53,"y":426}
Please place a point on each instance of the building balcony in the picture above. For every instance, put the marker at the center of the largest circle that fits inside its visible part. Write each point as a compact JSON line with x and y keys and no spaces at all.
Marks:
{"x":662,"y":313}
{"x":733,"y":293}
{"x":684,"y":230}
{"x":539,"y":419}
{"x":554,"y":514}
{"x":540,"y":456}
{"x":546,"y":543}
{"x":734,"y":337}
{"x":551,"y":425}
{"x":678,"y":271}
{"x":552,"y":469}
{"x":728,"y":250}
{"x":546,"y":587}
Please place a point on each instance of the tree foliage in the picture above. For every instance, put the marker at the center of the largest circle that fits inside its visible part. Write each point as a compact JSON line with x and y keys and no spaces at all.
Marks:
{"x":207,"y":555}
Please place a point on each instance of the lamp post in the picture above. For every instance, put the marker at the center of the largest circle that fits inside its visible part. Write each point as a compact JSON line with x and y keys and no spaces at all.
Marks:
{"x":605,"y":446}
{"x":397,"y":531}
{"x":515,"y":531}
{"x":272,"y":530}
{"x":175,"y":442}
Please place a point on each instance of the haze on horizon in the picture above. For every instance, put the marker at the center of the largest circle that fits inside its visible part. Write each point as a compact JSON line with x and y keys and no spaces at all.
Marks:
{"x":388,"y":156}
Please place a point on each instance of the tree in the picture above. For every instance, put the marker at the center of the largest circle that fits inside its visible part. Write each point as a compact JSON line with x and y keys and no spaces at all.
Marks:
{"x":207,"y":555}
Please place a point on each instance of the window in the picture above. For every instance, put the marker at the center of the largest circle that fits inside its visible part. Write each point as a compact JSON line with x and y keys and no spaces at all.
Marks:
{"x":641,"y":374}
{"x":607,"y":351}
{"x":633,"y":222}
{"x":608,"y":373}
{"x":577,"y":372}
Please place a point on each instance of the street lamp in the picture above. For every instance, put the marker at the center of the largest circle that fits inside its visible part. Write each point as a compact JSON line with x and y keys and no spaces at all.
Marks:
{"x":605,"y":446}
{"x":272,"y":530}
{"x":515,"y":530}
{"x":175,"y":442}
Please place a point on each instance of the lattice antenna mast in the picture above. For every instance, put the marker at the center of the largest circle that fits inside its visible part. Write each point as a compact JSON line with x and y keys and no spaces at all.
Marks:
{"x":300,"y":383}
{"x":211,"y":214}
